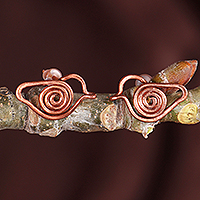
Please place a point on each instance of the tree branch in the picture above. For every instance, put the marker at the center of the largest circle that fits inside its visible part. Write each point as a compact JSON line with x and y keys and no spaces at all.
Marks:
{"x":101,"y":114}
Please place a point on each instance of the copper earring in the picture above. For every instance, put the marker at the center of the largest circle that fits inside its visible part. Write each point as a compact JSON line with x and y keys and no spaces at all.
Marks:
{"x":56,"y":99}
{"x":149,"y":101}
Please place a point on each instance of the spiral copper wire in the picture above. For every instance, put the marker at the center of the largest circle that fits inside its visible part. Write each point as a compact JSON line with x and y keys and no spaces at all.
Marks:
{"x":149,"y":101}
{"x":57,"y":98}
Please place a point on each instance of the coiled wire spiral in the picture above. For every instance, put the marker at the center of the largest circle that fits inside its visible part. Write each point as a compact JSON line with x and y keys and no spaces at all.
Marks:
{"x":149,"y":100}
{"x":56,"y":99}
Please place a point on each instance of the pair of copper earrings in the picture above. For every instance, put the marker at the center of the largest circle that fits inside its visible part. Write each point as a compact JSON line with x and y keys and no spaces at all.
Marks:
{"x":149,"y":101}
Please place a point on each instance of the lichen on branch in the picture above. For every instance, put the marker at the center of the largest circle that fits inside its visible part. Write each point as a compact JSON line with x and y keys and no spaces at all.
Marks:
{"x":101,"y":114}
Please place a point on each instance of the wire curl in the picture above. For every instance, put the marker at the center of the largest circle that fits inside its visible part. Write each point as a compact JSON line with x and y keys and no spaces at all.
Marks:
{"x":56,"y":99}
{"x":149,"y":101}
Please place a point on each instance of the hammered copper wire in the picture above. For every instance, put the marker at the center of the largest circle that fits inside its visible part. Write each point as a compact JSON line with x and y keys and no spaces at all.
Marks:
{"x":51,"y":108}
{"x":149,"y":101}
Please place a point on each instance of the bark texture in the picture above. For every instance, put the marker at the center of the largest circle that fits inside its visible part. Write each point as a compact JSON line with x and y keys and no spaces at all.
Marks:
{"x":101,"y":114}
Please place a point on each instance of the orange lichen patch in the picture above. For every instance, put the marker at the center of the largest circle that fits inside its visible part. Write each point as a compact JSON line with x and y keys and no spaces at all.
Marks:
{"x":108,"y":117}
{"x":180,"y":73}
{"x":188,"y":114}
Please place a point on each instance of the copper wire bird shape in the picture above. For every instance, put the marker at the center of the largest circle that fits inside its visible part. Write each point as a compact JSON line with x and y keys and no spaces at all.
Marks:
{"x":149,"y":101}
{"x":56,"y":99}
